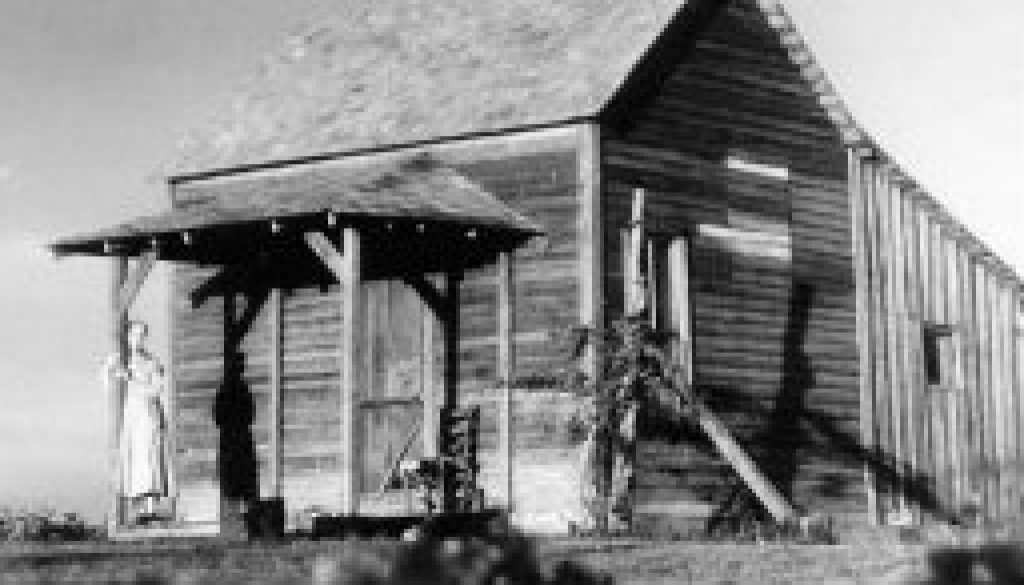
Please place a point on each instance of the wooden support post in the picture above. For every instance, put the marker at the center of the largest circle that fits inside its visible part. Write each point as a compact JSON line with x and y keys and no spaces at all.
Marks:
{"x":681,"y":309}
{"x":506,"y":374}
{"x":453,"y":281}
{"x":274,"y":422}
{"x":636,"y":296}
{"x":590,"y":238}
{"x":119,"y":318}
{"x":352,"y":371}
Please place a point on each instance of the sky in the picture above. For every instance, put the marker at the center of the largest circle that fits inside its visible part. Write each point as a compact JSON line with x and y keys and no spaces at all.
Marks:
{"x":94,"y":94}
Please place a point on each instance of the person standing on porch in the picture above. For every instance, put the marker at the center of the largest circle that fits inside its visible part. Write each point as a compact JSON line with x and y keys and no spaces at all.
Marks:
{"x":143,"y":424}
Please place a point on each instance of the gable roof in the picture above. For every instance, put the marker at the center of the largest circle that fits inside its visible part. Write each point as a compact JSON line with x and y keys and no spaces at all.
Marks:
{"x":378,"y":73}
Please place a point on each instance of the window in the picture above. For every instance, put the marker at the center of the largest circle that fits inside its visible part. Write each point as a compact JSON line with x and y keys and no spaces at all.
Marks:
{"x":936,"y":349}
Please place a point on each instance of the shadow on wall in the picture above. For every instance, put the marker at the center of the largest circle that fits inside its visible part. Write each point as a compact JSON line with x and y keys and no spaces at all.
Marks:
{"x":784,"y":428}
{"x":233,"y":412}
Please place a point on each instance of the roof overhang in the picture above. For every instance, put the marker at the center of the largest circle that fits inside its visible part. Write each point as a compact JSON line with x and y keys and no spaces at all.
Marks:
{"x":415,"y":201}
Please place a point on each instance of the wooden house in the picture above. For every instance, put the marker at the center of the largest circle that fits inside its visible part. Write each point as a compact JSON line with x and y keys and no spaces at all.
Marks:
{"x":465,"y":169}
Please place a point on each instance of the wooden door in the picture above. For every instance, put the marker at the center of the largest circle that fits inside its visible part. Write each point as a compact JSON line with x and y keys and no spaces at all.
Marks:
{"x":392,"y":409}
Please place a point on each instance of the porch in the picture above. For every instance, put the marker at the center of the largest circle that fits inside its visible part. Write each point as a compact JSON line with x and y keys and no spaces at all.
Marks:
{"x":381,"y":255}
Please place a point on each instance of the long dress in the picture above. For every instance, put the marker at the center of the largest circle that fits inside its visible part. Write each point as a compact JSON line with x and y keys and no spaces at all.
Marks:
{"x":143,"y":472}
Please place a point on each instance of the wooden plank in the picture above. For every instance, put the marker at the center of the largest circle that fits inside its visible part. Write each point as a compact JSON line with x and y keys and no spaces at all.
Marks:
{"x":681,"y":308}
{"x":954,"y":398}
{"x":879,"y":338}
{"x":506,"y":377}
{"x":1004,"y":400}
{"x":433,"y":341}
{"x":349,"y":272}
{"x":1013,"y":468}
{"x":939,"y":317}
{"x":590,"y":239}
{"x":858,"y":185}
{"x":1018,"y":308}
{"x":769,"y":496}
{"x":914,"y":360}
{"x":927,"y":458}
{"x":895,"y":327}
{"x":985,"y":383}
{"x":969,"y":334}
{"x":274,"y":309}
{"x":636,"y":293}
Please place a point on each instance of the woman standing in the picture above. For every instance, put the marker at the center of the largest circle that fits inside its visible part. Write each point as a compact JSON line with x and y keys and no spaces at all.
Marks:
{"x":143,"y":424}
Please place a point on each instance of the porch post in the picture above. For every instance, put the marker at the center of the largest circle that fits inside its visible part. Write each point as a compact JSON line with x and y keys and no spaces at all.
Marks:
{"x":352,"y":360}
{"x":118,"y":320}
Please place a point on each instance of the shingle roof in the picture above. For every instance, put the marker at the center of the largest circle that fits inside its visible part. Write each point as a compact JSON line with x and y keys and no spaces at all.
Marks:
{"x":414,"y":189}
{"x":376,"y":73}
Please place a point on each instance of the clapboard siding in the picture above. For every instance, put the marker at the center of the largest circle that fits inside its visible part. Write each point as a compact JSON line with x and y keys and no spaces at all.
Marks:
{"x":774,"y":329}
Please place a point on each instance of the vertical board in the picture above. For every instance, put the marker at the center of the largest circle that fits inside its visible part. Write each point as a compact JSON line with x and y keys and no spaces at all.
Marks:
{"x":859,"y":183}
{"x":877,"y":204}
{"x":896,"y":326}
{"x":913,"y":338}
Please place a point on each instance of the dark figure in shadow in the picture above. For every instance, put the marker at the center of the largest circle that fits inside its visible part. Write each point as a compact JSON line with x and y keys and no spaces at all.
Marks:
{"x":233,"y":411}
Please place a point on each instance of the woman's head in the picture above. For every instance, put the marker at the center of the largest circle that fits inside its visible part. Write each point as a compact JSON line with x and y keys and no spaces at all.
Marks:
{"x":136,"y":333}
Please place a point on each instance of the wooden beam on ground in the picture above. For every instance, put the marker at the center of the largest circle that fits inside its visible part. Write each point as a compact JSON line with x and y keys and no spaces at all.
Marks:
{"x":506,"y":374}
{"x":349,"y":272}
{"x":734,"y":454}
{"x":134,"y":278}
{"x":333,"y":259}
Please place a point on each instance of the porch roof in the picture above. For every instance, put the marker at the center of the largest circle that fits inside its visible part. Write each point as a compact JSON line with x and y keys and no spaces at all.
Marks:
{"x":413,"y":190}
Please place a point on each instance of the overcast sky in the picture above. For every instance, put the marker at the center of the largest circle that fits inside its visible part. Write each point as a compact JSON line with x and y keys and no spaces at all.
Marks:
{"x":96,"y":92}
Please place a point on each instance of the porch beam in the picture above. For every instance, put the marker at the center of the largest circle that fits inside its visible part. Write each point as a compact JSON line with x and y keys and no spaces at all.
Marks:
{"x":132,"y":280}
{"x":331,"y":257}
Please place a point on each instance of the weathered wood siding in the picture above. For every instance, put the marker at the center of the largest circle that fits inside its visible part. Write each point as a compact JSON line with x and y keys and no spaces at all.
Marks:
{"x":535,"y":172}
{"x":772,"y":281}
{"x":952,"y":436}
